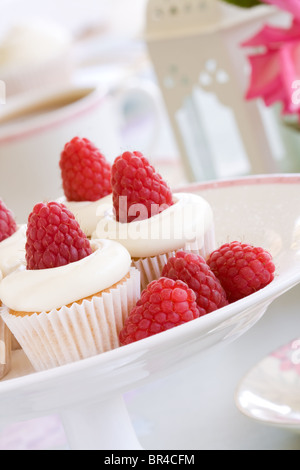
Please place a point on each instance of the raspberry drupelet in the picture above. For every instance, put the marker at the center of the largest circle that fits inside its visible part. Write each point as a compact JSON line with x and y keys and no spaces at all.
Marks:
{"x":133,"y":178}
{"x":194,"y":271}
{"x":242,"y":269}
{"x":8,"y":224}
{"x":54,"y":237}
{"x":85,"y":171}
{"x":165,"y":304}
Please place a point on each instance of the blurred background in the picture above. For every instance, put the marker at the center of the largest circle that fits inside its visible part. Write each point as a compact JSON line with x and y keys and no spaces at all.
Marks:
{"x":165,"y":77}
{"x":49,"y":47}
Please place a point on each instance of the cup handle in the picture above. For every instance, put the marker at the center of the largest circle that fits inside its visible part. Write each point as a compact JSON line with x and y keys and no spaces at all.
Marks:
{"x":150,"y":91}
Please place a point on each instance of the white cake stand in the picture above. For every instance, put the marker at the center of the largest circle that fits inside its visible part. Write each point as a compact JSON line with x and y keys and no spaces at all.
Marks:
{"x":88,"y":394}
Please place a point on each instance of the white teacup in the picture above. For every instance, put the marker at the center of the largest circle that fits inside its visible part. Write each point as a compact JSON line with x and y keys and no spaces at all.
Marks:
{"x":33,"y":132}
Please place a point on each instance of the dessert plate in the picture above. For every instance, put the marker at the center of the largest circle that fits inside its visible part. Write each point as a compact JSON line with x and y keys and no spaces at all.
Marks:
{"x":270,"y":391}
{"x":262,"y":210}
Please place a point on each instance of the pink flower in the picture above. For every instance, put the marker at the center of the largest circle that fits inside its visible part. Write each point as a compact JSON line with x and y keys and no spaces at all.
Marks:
{"x":292,"y":6}
{"x":276,"y":69}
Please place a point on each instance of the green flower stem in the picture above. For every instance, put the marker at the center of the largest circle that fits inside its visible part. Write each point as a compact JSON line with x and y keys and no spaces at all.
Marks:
{"x":244,"y":3}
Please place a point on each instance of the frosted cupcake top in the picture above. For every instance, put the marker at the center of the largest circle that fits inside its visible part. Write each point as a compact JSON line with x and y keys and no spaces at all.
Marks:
{"x":12,"y":251}
{"x":186,"y":221}
{"x":87,"y":213}
{"x":48,"y":289}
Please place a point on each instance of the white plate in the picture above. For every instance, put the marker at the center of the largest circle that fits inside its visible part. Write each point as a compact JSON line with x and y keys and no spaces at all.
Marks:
{"x":262,"y":210}
{"x":270,"y":391}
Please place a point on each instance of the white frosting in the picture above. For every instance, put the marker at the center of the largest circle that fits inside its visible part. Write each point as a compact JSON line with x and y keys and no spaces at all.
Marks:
{"x":87,"y":213}
{"x":47,"y":289}
{"x":12,"y":251}
{"x":186,"y":221}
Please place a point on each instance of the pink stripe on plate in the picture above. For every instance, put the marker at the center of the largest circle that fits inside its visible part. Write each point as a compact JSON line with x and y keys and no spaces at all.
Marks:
{"x":247,"y":180}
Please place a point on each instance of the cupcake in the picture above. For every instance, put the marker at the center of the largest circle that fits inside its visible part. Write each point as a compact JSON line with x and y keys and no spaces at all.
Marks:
{"x":150,"y":221}
{"x":33,"y":55}
{"x":86,"y":182}
{"x":12,"y":257}
{"x":5,"y":349}
{"x":12,"y":251}
{"x":12,"y":242}
{"x":71,"y":300}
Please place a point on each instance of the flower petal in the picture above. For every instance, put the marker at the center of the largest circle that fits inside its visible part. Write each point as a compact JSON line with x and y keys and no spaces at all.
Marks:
{"x":292,"y":6}
{"x":273,"y":37}
{"x":265,"y":75}
{"x":290,"y":66}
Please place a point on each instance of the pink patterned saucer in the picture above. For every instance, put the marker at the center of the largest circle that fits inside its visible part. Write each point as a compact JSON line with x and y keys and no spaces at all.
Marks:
{"x":270,"y":391}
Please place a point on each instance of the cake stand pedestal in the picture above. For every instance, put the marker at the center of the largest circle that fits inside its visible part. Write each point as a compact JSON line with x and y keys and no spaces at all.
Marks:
{"x":105,"y":425}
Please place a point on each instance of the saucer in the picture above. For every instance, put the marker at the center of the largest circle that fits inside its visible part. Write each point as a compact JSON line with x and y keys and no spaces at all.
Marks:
{"x":270,"y":392}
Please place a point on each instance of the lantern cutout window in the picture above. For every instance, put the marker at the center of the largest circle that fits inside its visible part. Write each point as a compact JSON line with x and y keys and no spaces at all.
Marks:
{"x":194,"y":46}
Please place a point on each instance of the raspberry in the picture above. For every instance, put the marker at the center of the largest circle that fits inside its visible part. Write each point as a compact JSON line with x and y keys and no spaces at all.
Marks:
{"x":144,"y":191}
{"x":194,"y":271}
{"x":54,"y":237}
{"x":164,"y":304}
{"x":8,"y":224}
{"x":242,"y":269}
{"x":85,"y":171}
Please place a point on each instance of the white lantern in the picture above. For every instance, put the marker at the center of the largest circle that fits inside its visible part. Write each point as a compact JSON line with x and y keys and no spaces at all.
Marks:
{"x":194,"y":46}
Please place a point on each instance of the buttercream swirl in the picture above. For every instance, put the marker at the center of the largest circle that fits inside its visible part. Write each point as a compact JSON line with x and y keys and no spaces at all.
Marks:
{"x":48,"y":289}
{"x":187,"y":221}
{"x":12,"y":251}
{"x":87,"y":213}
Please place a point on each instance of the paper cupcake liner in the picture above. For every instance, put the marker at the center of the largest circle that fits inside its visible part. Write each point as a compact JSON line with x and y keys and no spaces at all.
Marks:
{"x":5,"y":349}
{"x":78,"y":331}
{"x":151,"y":268}
{"x":14,"y":344}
